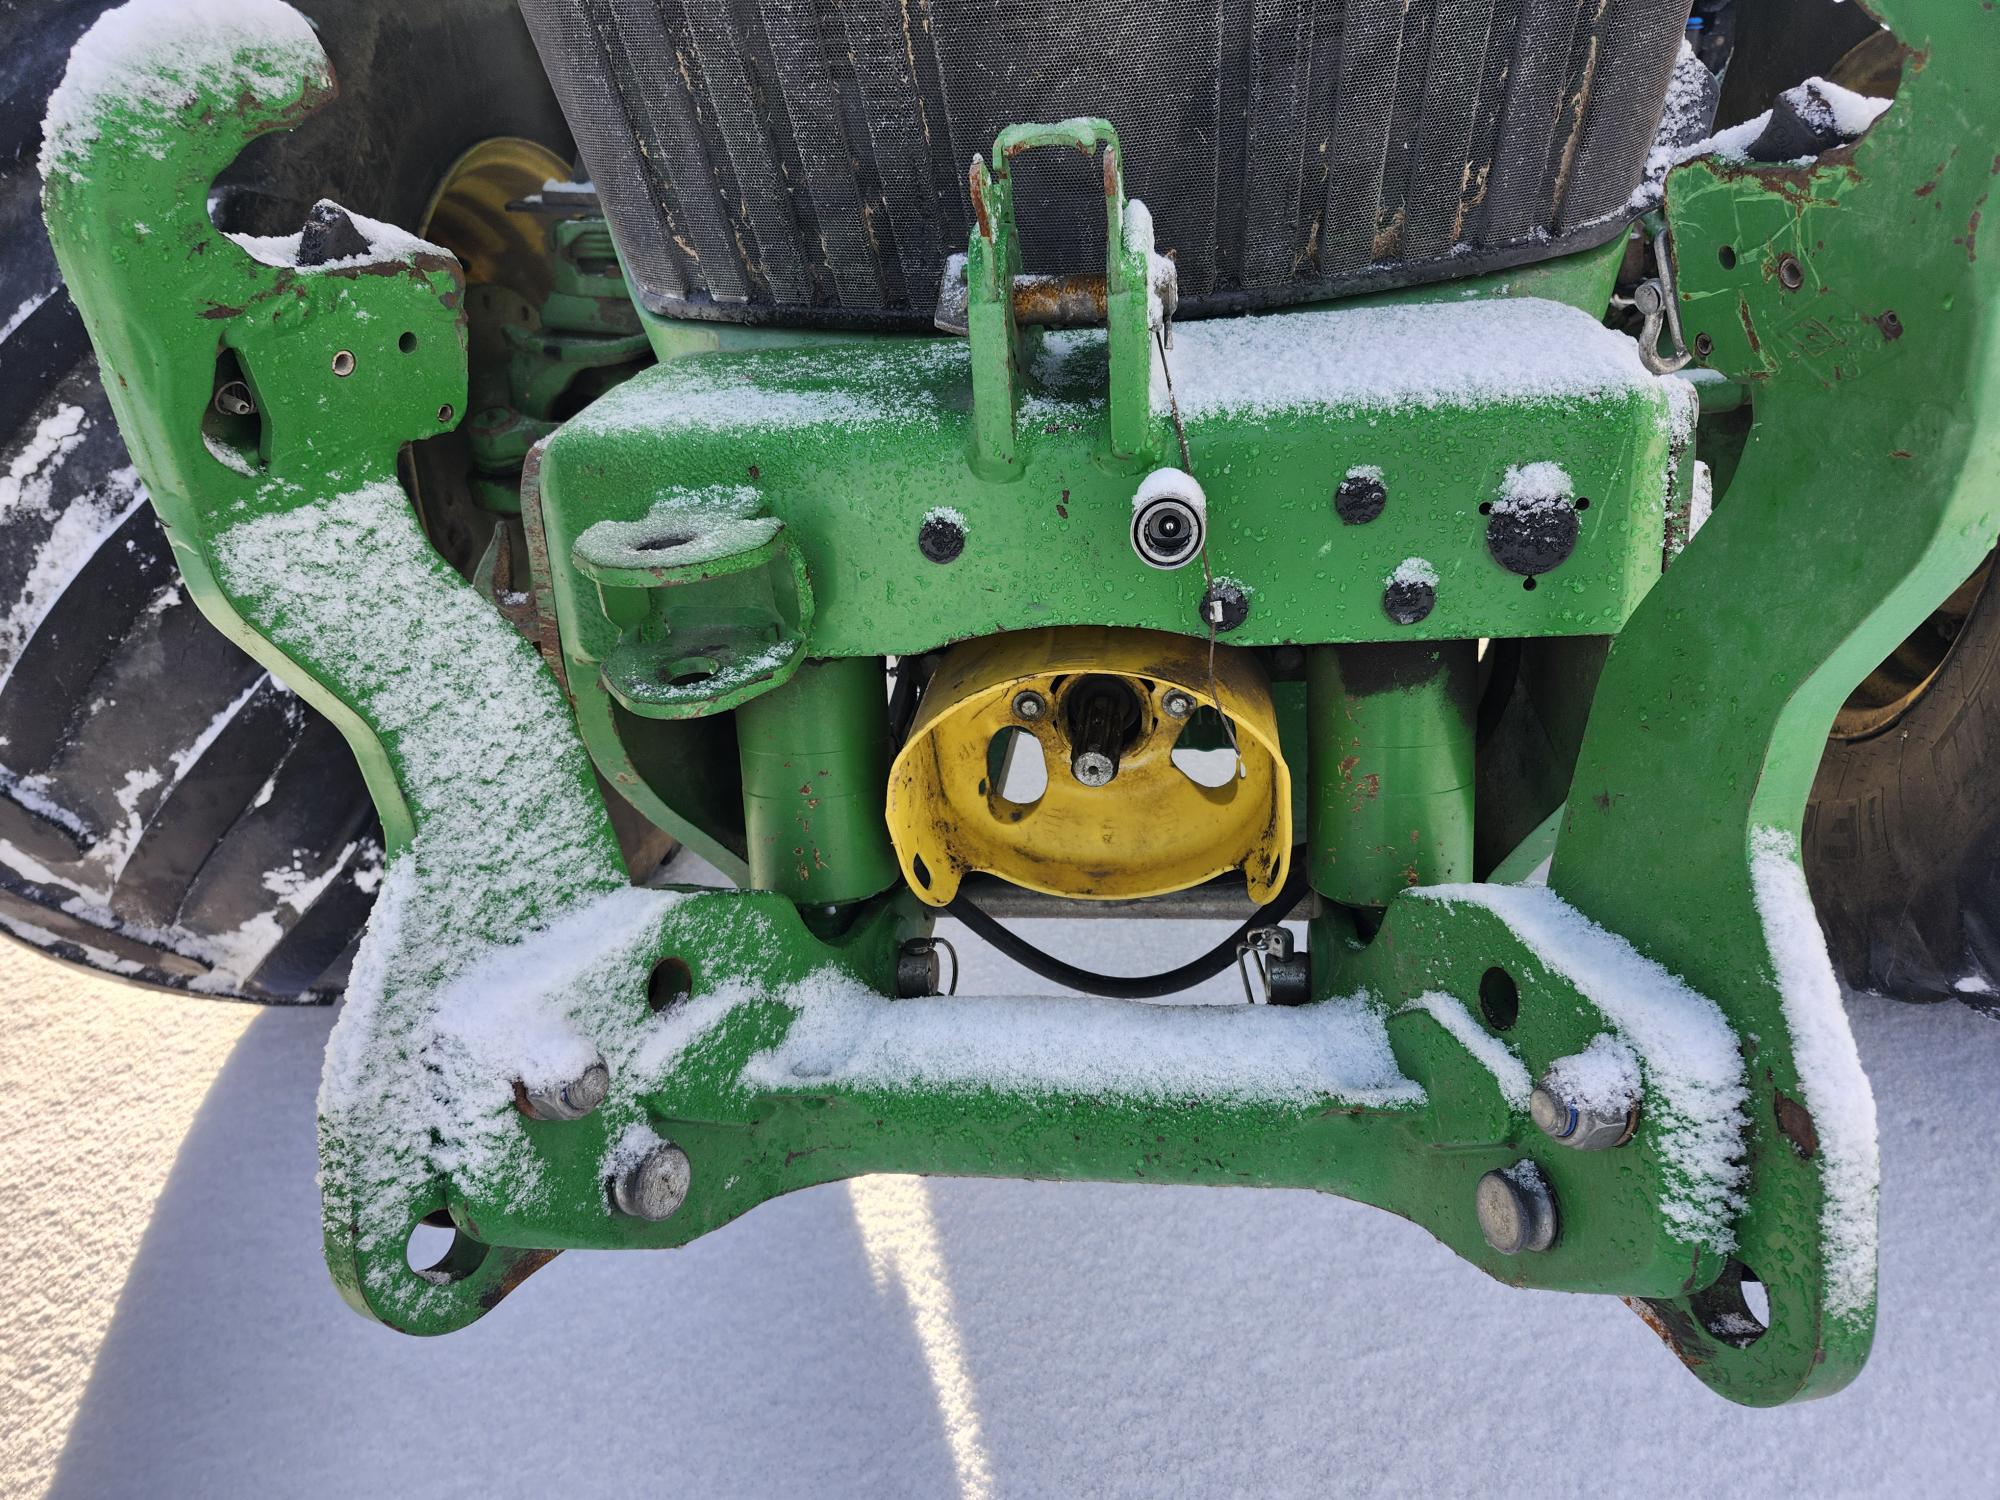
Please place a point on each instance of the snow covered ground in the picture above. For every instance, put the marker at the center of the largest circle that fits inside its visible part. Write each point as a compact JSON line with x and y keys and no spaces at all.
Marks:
{"x":167,"y":1328}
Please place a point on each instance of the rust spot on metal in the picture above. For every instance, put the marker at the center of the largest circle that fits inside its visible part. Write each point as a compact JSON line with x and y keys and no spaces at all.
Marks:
{"x":521,"y":1264}
{"x":1795,"y":1124}
{"x":1078,"y":298}
{"x":1901,"y":453}
{"x":1676,"y":1329}
{"x":1890,"y":324}
{"x":1749,"y":328}
{"x":975,"y":179}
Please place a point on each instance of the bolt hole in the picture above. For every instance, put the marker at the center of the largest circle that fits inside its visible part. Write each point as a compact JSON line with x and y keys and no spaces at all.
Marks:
{"x":429,"y":1246}
{"x":1203,"y":753}
{"x":343,"y":363}
{"x":1016,"y":768}
{"x":1791,"y":275}
{"x":921,"y":870}
{"x":1528,"y":584}
{"x":1486,"y":507}
{"x":1499,"y":999}
{"x":1736,"y":1310}
{"x":1703,"y":346}
{"x":670,"y":983}
{"x":446,"y":412}
{"x":407,"y":343}
{"x":666,"y":543}
{"x":1727,"y":255}
{"x":689,"y":671}
{"x":1583,"y":502}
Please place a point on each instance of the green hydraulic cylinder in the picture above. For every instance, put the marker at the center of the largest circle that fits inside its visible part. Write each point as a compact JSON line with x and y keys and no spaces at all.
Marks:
{"x":815,"y":760}
{"x":1389,"y":767}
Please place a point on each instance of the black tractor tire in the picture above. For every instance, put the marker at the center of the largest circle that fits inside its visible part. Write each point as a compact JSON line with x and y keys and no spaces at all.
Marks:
{"x":1902,"y":833}
{"x":168,"y":811}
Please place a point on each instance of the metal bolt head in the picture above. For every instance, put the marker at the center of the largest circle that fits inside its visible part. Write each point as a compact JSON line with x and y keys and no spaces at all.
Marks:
{"x":569,"y":1100}
{"x":1516,"y":1209}
{"x":940,"y":539}
{"x":1409,"y":600}
{"x":1177,"y":704}
{"x":1580,"y":1128}
{"x":654,"y":1187}
{"x":1093,"y":768}
{"x":1029,"y":704}
{"x":1360,"y":498}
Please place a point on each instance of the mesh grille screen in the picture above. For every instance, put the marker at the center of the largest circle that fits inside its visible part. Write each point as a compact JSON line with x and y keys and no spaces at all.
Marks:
{"x":804,"y":160}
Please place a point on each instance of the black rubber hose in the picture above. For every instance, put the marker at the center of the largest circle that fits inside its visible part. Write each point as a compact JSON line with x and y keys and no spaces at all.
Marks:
{"x":1135,"y":986}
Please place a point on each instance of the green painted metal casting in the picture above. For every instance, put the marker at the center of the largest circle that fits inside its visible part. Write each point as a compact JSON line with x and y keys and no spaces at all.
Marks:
{"x":784,"y":487}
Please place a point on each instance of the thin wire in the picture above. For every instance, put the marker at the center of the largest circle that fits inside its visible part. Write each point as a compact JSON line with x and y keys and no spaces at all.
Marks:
{"x":1207,"y":573}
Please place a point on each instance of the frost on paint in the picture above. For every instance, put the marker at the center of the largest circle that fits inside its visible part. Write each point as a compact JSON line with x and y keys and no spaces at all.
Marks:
{"x":1508,"y":1071}
{"x":485,"y":754}
{"x":1829,"y":1066}
{"x":140,"y":65}
{"x":1685,"y":1047}
{"x":683,"y":527}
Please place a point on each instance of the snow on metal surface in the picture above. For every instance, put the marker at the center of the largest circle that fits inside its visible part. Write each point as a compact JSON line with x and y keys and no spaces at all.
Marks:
{"x":1424,"y":355}
{"x":848,"y":1034}
{"x":1836,"y":1090}
{"x":1686,"y":1048}
{"x":1603,"y":1077}
{"x":683,"y":527}
{"x":1487,"y":1049}
{"x":143,"y":60}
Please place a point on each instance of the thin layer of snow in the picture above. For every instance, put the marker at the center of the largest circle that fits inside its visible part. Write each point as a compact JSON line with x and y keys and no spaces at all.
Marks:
{"x":1830,"y":1076}
{"x":138,"y":66}
{"x":1171,"y":483}
{"x":700,"y":526}
{"x":1366,"y":472}
{"x":1701,"y":498}
{"x":227,"y":456}
{"x":1420,"y":356}
{"x":1684,"y":118}
{"x":485,"y":751}
{"x":1493,"y":1054}
{"x":1413,"y":570}
{"x":951,"y":515}
{"x":1819,"y":102}
{"x":1529,"y":488}
{"x":1687,"y":1049}
{"x":28,"y":308}
{"x":386,"y":242}
{"x":1335,"y":1051}
{"x":1603,"y":1077}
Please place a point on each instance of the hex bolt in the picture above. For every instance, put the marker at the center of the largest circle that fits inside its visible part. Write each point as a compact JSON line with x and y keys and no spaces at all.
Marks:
{"x":654,"y":1187}
{"x":1030,"y":705}
{"x":1578,"y":1126}
{"x":570,"y":1100}
{"x":343,"y":363}
{"x":1516,"y":1209}
{"x":1408,"y":601}
{"x":1178,"y":704}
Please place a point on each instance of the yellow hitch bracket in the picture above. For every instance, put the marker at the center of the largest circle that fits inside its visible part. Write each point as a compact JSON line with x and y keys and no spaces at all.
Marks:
{"x":1118,"y":818}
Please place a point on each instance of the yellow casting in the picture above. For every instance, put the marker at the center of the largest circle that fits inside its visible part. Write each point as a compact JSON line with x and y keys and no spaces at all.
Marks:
{"x":1094,"y":701}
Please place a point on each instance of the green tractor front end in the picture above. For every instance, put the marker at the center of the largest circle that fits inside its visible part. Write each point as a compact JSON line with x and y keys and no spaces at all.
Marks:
{"x":1209,"y":578}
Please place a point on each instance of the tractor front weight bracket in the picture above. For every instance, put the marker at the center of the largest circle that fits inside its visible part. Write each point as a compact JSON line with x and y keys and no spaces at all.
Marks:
{"x":1635,"y":1080}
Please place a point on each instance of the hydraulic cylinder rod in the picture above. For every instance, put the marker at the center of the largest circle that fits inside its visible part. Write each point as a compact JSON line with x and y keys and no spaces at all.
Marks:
{"x":1389,"y":767}
{"x":815,"y":760}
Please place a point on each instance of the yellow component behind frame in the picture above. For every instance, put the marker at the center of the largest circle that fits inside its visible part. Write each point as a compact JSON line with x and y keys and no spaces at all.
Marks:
{"x":1150,"y":829}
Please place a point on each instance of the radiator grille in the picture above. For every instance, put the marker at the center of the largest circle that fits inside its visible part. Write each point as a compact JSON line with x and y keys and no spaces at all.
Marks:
{"x":803,"y":161}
